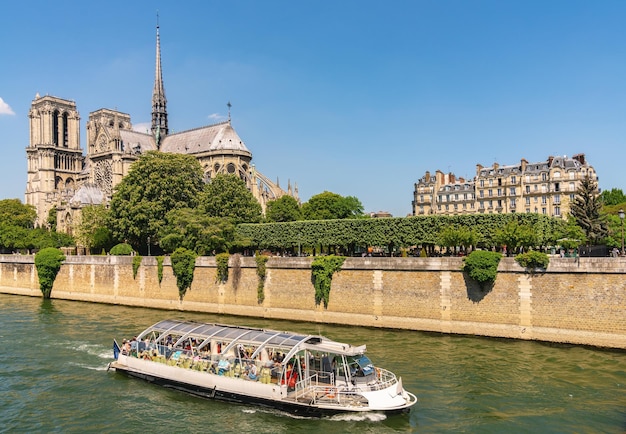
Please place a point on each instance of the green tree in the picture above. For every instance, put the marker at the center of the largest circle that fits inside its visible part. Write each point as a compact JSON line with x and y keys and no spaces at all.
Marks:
{"x":451,"y":236}
{"x":570,"y":235}
{"x":92,"y":232}
{"x":328,"y":206}
{"x":52,"y":219}
{"x":514,"y":235}
{"x":156,"y":184}
{"x":586,"y":210}
{"x":195,"y":230}
{"x":283,"y":209}
{"x":14,"y":213}
{"x":227,"y":196}
{"x":614,"y":196}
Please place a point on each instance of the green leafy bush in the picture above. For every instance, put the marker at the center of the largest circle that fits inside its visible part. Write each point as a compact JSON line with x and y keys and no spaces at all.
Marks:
{"x":482,"y":266}
{"x":136,"y":264}
{"x":532,"y":260}
{"x":322,"y":270}
{"x":48,"y":263}
{"x":122,"y":249}
{"x":160,"y":268}
{"x":261,"y":270}
{"x":183,"y":266}
{"x":222,"y":267}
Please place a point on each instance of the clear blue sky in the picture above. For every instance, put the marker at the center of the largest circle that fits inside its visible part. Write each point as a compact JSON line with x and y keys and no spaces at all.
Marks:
{"x":356,"y":97}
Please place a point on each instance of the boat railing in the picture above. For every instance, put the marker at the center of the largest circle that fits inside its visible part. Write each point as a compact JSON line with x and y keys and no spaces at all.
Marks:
{"x":384,"y":379}
{"x":313,"y":391}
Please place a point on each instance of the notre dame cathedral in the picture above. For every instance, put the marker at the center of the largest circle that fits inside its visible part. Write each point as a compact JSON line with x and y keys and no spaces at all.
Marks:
{"x":60,"y":176}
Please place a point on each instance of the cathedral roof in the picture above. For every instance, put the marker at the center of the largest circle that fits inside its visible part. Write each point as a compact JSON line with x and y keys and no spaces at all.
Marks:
{"x":218,"y":137}
{"x":135,"y":142}
{"x":88,"y":194}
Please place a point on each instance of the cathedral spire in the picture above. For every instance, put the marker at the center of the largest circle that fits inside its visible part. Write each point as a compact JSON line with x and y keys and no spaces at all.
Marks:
{"x":159,"y":102}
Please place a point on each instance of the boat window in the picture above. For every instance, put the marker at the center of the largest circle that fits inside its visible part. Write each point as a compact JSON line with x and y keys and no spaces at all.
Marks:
{"x":360,"y":366}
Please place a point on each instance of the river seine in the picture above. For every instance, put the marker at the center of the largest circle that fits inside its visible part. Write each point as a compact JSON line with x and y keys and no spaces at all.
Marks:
{"x":54,"y":378}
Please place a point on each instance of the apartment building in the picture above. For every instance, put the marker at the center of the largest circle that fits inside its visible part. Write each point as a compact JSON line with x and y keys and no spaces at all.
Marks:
{"x":546,"y":187}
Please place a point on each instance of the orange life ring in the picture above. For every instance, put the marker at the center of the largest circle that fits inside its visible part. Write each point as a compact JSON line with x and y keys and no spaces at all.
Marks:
{"x":331,"y":392}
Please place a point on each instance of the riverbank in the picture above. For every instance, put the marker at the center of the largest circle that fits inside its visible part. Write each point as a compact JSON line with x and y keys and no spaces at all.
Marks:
{"x":576,"y":300}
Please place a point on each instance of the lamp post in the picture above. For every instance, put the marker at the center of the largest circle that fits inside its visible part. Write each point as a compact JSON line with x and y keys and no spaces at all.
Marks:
{"x":148,"y":246}
{"x":620,"y":213}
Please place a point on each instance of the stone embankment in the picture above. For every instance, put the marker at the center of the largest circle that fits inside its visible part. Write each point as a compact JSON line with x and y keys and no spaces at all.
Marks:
{"x":576,"y":300}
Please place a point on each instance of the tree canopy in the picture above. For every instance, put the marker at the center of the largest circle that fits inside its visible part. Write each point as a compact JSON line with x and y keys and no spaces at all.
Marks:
{"x":227,"y":196}
{"x":328,"y":206}
{"x":92,"y":232}
{"x":156,"y":184}
{"x":14,"y":213}
{"x":283,"y":209}
{"x":614,"y":196}
{"x":195,"y":230}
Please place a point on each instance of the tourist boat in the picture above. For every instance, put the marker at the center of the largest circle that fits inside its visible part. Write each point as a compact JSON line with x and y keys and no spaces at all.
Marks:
{"x":298,"y":373}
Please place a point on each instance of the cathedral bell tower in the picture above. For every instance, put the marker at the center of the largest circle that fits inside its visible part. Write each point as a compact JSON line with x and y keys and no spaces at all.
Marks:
{"x":54,"y":156}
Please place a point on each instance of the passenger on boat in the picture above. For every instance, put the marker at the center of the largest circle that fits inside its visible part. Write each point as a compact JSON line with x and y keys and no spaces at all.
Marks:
{"x":251,"y":372}
{"x":223,"y":366}
{"x":291,"y":377}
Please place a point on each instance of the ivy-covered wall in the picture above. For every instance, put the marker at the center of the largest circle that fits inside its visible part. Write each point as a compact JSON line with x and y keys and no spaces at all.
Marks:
{"x":577,"y":300}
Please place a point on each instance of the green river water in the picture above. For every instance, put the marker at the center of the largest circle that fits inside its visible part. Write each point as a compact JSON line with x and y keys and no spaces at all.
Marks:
{"x":54,"y":378}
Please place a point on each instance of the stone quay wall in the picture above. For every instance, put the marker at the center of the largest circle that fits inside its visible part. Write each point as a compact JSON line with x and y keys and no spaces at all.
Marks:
{"x":576,"y":300}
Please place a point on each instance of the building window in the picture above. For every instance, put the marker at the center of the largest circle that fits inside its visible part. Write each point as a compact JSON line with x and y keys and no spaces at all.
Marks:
{"x":528,"y":201}
{"x":499,"y":191}
{"x":512,"y":204}
{"x":557,"y":186}
{"x":557,"y":211}
{"x":543,"y":211}
{"x":557,"y":174}
{"x":557,"y":198}
{"x":528,"y":189}
{"x":513,"y":180}
{"x":482,"y":183}
{"x":512,"y":191}
{"x":481,"y":205}
{"x":490,"y":192}
{"x":544,"y":200}
{"x":490,"y":182}
{"x":572,"y":186}
{"x":544,"y":176}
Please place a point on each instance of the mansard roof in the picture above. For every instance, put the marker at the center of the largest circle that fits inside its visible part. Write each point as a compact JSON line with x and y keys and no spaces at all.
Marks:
{"x":217,"y":137}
